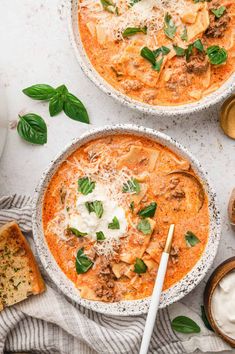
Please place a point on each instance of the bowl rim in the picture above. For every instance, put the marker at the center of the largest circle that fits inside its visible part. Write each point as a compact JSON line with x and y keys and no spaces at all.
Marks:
{"x":217,"y":96}
{"x":133,"y":307}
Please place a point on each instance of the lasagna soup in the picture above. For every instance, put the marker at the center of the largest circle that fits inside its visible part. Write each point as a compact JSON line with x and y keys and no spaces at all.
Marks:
{"x":160,"y":52}
{"x":107,"y":212}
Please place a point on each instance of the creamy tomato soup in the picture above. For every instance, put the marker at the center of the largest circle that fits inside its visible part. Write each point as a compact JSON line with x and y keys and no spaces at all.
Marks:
{"x":160,"y":52}
{"x":107,"y":211}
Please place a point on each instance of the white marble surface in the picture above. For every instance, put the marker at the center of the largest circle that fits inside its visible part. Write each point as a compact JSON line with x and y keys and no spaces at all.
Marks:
{"x":35,"y":48}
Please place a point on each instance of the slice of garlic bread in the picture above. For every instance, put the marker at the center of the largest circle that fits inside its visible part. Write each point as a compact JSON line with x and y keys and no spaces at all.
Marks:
{"x":19,"y":273}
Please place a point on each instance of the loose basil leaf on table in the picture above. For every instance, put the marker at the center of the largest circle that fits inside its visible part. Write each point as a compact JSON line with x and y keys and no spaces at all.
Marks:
{"x":85,"y":185}
{"x":96,"y":207}
{"x":185,"y":324}
{"x":191,"y":239}
{"x":169,"y":28}
{"x":139,"y":266}
{"x":144,"y":226}
{"x":56,"y":105}
{"x":205,"y":320}
{"x":131,"y":186}
{"x":130,"y":31}
{"x":219,"y":12}
{"x":40,"y":92}
{"x":100,"y":236}
{"x":114,"y":225}
{"x":76,"y":232}
{"x":75,"y":109}
{"x":217,"y":55}
{"x":32,"y":128}
{"x":148,"y":211}
{"x":83,"y":262}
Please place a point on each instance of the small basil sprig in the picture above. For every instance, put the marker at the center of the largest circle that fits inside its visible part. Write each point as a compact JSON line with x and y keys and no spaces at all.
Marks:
{"x":131,"y":31}
{"x":184,"y":324}
{"x":131,"y":186}
{"x":100,"y":236}
{"x":139,"y":266}
{"x":148,"y":211}
{"x":59,"y":99}
{"x":191,"y":239}
{"x":114,"y":225}
{"x":180,"y":52}
{"x":96,"y":207}
{"x":144,"y":226}
{"x":83,"y":263}
{"x":169,"y":28}
{"x":85,"y":185}
{"x":219,"y":11}
{"x":32,"y":128}
{"x":76,"y":232}
{"x":217,"y":55}
{"x":152,"y":55}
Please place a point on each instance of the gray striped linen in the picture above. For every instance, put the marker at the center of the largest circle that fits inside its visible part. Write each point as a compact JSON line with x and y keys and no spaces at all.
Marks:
{"x":51,"y":323}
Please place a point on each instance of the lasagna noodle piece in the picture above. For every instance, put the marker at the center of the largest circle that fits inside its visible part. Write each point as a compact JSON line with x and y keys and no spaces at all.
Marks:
{"x":140,"y":157}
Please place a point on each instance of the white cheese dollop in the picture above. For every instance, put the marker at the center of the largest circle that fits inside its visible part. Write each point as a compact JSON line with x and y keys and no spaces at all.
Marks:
{"x":89,"y":223}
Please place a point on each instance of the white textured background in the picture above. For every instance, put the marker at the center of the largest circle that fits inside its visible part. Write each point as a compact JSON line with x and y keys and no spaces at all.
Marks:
{"x":35,"y":48}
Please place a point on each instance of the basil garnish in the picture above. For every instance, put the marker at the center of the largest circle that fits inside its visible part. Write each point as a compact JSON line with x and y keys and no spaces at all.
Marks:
{"x":32,"y":128}
{"x":144,"y":226}
{"x":96,"y":207}
{"x":100,"y":236}
{"x":139,"y":266}
{"x":219,"y":12}
{"x":85,"y":185}
{"x":132,"y":206}
{"x":217,"y":55}
{"x":148,"y":54}
{"x":191,"y":239}
{"x":114,"y":225}
{"x":169,"y":28}
{"x":109,"y":6}
{"x":40,"y":92}
{"x":148,"y":211}
{"x":184,"y":324}
{"x":133,"y":2}
{"x":60,"y":99}
{"x":83,"y":263}
{"x":77,"y":232}
{"x":189,"y":50}
{"x":184,"y":35}
{"x":151,"y":56}
{"x":161,"y":50}
{"x":131,"y":186}
{"x":180,"y":52}
{"x":205,"y":319}
{"x":130,"y":31}
{"x":198,"y":45}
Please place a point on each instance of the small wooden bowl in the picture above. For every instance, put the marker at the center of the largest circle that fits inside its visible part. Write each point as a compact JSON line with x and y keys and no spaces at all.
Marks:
{"x":223,"y":269}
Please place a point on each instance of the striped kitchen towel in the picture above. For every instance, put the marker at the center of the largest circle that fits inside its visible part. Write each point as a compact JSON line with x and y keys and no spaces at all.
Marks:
{"x":51,"y":323}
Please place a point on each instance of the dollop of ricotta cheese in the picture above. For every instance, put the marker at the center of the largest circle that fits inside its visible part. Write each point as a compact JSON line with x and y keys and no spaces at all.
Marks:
{"x":89,"y":223}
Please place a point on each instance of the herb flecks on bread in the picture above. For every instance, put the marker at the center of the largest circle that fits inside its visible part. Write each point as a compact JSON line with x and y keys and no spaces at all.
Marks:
{"x":19,"y":273}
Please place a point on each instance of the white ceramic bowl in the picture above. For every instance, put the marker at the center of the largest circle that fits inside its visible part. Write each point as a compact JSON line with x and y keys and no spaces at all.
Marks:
{"x":177,"y":291}
{"x":224,"y":91}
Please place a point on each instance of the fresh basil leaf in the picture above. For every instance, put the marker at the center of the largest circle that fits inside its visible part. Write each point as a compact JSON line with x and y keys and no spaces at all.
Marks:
{"x":184,"y":35}
{"x":133,"y":2}
{"x":77,"y":232}
{"x":62,"y":90}
{"x":109,"y":6}
{"x":169,"y":27}
{"x":130,"y":31}
{"x":157,"y":66}
{"x":198,"y":45}
{"x":100,"y":236}
{"x":75,"y":109}
{"x":32,"y":128}
{"x":161,"y":50}
{"x":85,"y":185}
{"x":191,"y":239}
{"x":180,"y":52}
{"x":144,"y":226}
{"x":40,"y":92}
{"x":189,"y":51}
{"x":131,"y":186}
{"x":114,"y":225}
{"x":148,"y":54}
{"x":83,"y":263}
{"x":139,"y":266}
{"x":217,"y":55}
{"x":148,"y":211}
{"x":56,"y":105}
{"x":96,"y":207}
{"x":205,"y":319}
{"x":132,"y":206}
{"x":219,"y":12}
{"x":184,"y":324}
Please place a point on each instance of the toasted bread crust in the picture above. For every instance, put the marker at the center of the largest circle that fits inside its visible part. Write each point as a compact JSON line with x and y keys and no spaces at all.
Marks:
{"x":19,"y":273}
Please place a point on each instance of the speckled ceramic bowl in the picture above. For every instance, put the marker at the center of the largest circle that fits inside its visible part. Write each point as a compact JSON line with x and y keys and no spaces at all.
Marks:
{"x":219,"y":95}
{"x":135,"y":307}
